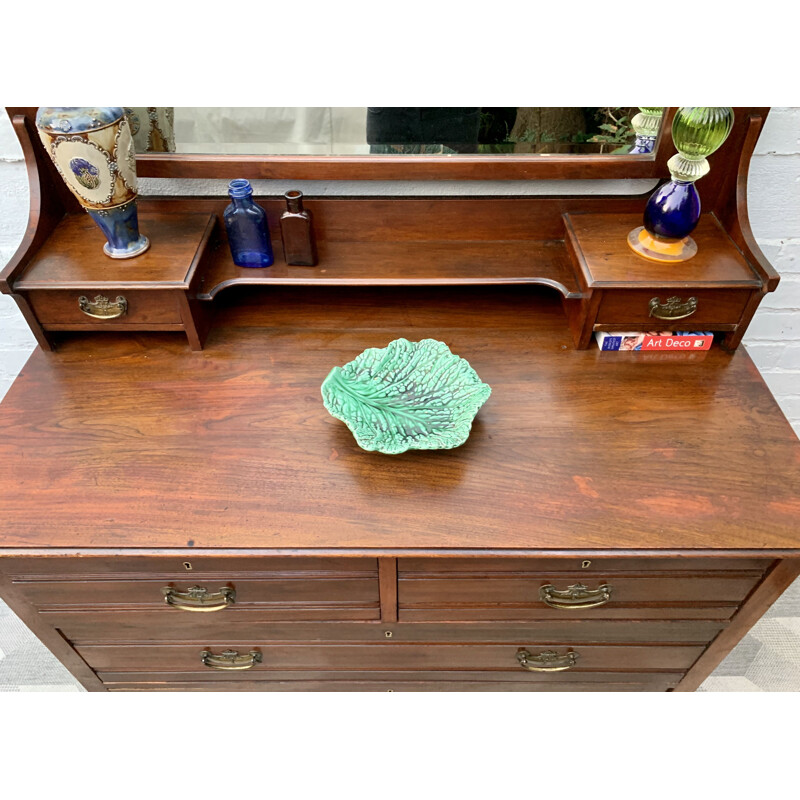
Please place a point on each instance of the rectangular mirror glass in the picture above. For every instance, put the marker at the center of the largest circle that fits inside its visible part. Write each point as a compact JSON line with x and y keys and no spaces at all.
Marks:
{"x":388,"y":131}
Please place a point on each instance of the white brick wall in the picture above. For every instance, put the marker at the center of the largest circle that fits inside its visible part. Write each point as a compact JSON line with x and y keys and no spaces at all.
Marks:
{"x":773,"y":339}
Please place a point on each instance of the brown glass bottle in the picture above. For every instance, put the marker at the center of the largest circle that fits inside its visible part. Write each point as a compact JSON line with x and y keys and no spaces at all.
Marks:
{"x":297,"y":233}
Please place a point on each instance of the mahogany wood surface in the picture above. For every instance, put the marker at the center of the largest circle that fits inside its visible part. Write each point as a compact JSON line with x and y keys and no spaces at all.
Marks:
{"x":263,"y":677}
{"x":609,"y":261}
{"x":593,"y":569}
{"x":391,"y":263}
{"x":633,"y":306}
{"x":503,"y":591}
{"x":299,"y":590}
{"x":170,"y":685}
{"x":387,"y":571}
{"x":574,"y":450}
{"x":388,"y":656}
{"x":72,"y":257}
{"x":57,"y":307}
{"x":240,"y":626}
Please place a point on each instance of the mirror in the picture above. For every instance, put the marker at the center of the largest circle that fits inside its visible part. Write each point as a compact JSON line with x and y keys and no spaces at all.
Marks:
{"x":387,"y":131}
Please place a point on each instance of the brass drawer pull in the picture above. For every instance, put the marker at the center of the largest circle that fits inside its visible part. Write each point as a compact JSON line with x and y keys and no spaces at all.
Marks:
{"x":102,"y":308}
{"x":230,"y":659}
{"x":546,"y":661}
{"x":674,"y":308}
{"x":198,"y":598}
{"x":575,"y":596}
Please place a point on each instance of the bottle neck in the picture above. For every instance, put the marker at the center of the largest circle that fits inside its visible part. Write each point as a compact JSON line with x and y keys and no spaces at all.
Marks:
{"x":294,"y":202}
{"x":240,"y":192}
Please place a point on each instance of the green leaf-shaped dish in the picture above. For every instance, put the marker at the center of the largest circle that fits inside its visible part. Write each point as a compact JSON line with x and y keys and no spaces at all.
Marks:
{"x":406,"y":396}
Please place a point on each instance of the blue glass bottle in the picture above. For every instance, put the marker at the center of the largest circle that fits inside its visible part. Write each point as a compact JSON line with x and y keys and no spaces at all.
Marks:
{"x":246,"y":224}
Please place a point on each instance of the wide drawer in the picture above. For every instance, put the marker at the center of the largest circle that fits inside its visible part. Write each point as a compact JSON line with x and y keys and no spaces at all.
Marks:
{"x":168,"y":626}
{"x":268,"y":657}
{"x":610,"y":683}
{"x":713,"y":306}
{"x":63,"y":307}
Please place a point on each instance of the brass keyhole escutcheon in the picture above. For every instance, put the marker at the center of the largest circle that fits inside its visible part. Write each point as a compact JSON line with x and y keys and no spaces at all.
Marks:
{"x":388,"y":634}
{"x":586,"y":564}
{"x":187,"y":565}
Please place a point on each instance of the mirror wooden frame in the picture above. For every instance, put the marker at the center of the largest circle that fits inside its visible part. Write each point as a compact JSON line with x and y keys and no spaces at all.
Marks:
{"x":537,"y":166}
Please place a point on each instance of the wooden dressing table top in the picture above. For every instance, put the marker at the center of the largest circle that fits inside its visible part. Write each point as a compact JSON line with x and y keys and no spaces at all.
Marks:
{"x":136,"y":442}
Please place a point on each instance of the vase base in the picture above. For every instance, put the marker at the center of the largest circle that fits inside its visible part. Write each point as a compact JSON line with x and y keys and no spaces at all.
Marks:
{"x":141,"y":246}
{"x":643,"y":243}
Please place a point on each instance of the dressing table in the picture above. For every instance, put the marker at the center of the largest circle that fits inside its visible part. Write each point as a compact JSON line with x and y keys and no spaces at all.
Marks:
{"x":181,"y":513}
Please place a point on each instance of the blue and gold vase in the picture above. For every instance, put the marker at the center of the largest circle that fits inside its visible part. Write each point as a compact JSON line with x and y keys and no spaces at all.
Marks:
{"x":673,"y":210}
{"x":93,"y":151}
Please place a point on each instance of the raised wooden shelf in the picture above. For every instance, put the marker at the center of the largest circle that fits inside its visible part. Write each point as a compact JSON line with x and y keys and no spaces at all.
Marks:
{"x":394,"y":263}
{"x":606,"y":260}
{"x":73,"y":258}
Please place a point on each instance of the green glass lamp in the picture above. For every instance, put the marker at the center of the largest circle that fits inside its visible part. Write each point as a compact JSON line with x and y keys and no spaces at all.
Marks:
{"x":673,"y":210}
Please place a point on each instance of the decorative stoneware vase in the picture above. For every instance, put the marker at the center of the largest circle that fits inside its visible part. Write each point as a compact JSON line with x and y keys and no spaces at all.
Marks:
{"x":153,"y":128}
{"x":673,"y":210}
{"x":93,"y":150}
{"x":645,"y":125}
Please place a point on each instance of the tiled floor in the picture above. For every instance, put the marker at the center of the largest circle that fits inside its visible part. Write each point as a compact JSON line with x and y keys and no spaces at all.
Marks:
{"x":766,"y":660}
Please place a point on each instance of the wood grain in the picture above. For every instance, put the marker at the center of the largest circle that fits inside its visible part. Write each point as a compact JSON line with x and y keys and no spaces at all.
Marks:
{"x":171,"y":685}
{"x":575,"y":450}
{"x":609,"y":261}
{"x":387,"y":657}
{"x":395,"y":263}
{"x":242,"y":625}
{"x":73,"y":258}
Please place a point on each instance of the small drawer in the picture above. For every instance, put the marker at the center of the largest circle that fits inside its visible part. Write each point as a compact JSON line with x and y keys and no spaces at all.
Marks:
{"x":539,"y":660}
{"x":694,"y":309}
{"x":273,"y":588}
{"x":99,"y":307}
{"x":290,"y":596}
{"x":515,"y":596}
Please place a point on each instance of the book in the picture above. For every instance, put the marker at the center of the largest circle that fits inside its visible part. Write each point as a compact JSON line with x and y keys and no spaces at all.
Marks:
{"x":680,"y":341}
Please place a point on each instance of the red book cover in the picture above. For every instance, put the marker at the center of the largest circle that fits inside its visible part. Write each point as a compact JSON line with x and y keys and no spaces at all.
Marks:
{"x":680,"y":342}
{"x":685,"y":342}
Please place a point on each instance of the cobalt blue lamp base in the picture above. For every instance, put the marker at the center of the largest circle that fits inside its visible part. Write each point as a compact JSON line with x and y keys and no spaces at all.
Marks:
{"x":671,"y":214}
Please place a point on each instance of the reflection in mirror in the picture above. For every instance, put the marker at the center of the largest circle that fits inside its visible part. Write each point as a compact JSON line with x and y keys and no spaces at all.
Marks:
{"x":395,"y":131}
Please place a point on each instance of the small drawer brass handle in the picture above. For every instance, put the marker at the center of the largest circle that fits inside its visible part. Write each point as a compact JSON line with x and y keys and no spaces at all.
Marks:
{"x":674,"y":308}
{"x":102,"y":308}
{"x":230,"y":659}
{"x":546,"y":661}
{"x":575,"y":596}
{"x":198,"y":598}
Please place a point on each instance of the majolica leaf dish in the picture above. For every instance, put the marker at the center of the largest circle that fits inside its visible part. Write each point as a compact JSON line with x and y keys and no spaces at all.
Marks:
{"x":406,"y":396}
